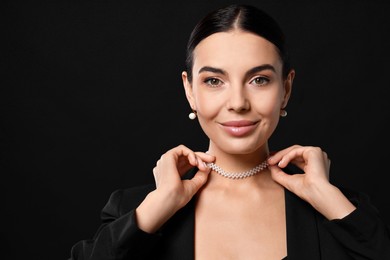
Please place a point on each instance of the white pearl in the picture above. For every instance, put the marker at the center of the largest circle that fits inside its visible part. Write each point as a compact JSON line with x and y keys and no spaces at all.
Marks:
{"x":238,"y":175}
{"x":192,"y":115}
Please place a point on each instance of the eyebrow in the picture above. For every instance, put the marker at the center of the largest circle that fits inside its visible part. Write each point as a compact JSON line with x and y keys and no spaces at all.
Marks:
{"x":260,"y":68}
{"x":211,"y":69}
{"x":249,"y":72}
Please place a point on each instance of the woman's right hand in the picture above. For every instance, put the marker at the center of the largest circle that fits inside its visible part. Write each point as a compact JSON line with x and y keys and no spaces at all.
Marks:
{"x":172,"y":192}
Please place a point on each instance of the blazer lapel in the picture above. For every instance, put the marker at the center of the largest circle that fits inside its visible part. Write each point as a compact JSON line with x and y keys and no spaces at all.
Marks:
{"x":179,"y":232}
{"x":302,"y":231}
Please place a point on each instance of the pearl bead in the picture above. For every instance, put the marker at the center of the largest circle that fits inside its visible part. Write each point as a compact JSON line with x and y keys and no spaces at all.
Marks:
{"x":192,"y":115}
{"x":238,"y":175}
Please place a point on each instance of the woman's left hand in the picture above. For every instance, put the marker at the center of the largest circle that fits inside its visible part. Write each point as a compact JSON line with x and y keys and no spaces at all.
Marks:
{"x":313,"y":184}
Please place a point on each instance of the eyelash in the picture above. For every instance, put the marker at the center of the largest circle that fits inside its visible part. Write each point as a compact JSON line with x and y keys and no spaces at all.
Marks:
{"x":214,"y":82}
{"x":262,"y":79}
{"x":209,"y":81}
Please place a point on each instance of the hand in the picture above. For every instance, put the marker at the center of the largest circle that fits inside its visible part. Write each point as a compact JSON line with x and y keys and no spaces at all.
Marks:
{"x":314,"y":163}
{"x":172,"y":192}
{"x":313,"y":184}
{"x":171,"y":167}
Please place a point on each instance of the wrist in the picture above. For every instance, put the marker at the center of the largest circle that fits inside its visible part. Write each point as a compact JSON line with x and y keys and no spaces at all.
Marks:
{"x":331,"y":202}
{"x":153,"y":212}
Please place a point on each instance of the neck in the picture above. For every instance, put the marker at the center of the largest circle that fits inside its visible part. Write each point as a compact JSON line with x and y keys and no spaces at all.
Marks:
{"x":238,"y":163}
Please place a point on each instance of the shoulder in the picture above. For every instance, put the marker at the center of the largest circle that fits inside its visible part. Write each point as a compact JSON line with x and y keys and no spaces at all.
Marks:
{"x":121,"y":201}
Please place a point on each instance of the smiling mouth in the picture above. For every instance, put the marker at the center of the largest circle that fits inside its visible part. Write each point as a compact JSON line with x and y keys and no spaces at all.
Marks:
{"x":239,"y":128}
{"x":241,"y":123}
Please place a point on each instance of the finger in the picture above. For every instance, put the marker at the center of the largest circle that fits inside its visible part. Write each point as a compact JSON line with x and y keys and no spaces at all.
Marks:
{"x":297,"y":155}
{"x":199,"y":179}
{"x":276,"y":157}
{"x":205,"y":156}
{"x":188,"y":153}
{"x":184,"y":158}
{"x":203,"y":159}
{"x":155,"y":174}
{"x":280,"y":176}
{"x":201,"y":165}
{"x":196,"y":158}
{"x":182,"y":151}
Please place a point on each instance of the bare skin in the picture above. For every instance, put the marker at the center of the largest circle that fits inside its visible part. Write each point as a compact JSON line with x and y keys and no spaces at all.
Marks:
{"x":244,"y":220}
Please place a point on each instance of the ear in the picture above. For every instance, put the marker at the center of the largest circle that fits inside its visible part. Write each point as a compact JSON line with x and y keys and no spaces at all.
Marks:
{"x":288,"y":82}
{"x":188,"y":90}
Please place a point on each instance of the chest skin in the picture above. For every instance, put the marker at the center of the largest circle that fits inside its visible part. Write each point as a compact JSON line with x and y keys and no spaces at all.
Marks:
{"x":240,"y":225}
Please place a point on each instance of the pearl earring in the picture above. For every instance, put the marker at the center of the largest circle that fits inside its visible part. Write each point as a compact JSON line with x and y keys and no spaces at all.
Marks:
{"x":192,"y":115}
{"x":283,"y":113}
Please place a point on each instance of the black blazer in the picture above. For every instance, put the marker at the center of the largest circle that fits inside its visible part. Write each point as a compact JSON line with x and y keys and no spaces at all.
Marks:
{"x":360,"y":235}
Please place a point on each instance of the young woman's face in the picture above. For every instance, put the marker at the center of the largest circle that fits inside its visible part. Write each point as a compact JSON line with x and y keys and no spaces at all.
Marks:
{"x":237,"y":90}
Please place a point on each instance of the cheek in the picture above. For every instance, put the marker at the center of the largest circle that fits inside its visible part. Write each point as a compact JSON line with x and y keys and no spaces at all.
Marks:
{"x":268,"y":105}
{"x":207,"y":107}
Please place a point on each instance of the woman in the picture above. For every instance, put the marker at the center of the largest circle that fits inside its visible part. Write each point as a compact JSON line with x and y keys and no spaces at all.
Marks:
{"x":235,"y":201}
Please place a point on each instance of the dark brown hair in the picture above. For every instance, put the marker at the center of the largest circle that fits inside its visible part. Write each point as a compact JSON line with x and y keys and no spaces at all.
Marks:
{"x":244,"y":17}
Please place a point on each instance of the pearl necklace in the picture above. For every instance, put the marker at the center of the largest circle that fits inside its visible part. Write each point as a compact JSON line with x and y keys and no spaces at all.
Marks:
{"x":238,"y":175}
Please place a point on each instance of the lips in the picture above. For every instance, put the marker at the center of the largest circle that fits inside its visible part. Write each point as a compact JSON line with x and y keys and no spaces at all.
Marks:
{"x":239,"y":128}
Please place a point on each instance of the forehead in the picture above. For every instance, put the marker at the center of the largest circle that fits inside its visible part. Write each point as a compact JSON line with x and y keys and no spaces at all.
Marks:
{"x":235,"y":49}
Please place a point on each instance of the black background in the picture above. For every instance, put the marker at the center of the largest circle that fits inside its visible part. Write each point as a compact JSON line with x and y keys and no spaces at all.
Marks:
{"x":92,"y":96}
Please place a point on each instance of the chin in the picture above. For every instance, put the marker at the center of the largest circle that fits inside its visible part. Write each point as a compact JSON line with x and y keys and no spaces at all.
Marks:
{"x":242,"y":149}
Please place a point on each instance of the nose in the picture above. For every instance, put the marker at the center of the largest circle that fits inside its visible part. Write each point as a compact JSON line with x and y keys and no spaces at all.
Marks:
{"x":238,"y":100}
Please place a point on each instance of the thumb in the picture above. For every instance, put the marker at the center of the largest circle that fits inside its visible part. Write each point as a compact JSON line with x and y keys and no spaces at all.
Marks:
{"x":199,"y":179}
{"x":279,"y":176}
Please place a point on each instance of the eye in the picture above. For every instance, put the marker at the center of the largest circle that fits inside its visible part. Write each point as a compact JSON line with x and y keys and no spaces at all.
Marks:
{"x":260,"y":81}
{"x":213,"y":82}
